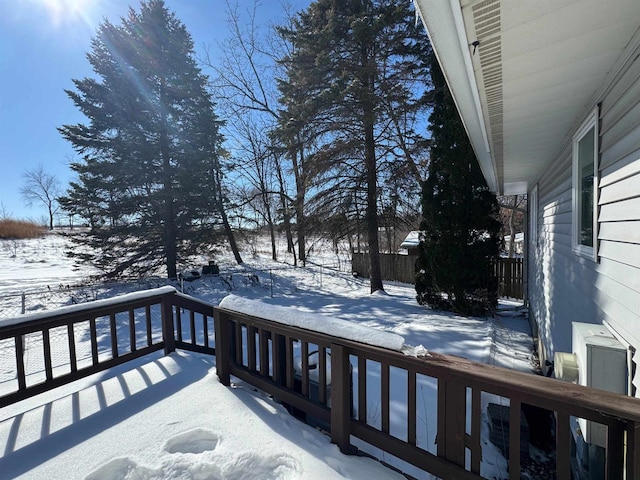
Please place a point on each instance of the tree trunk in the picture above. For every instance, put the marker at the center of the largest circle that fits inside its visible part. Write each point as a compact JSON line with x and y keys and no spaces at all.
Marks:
{"x":372,"y":196}
{"x":299,"y":203}
{"x":286,"y":217}
{"x":50,"y":218}
{"x":217,"y":185}
{"x":168,"y":216}
{"x":230,"y":236}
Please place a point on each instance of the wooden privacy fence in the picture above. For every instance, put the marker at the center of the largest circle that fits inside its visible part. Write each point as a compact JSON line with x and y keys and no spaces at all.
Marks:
{"x":394,"y":267}
{"x":510,"y":274}
{"x":401,"y":268}
{"x":333,"y":389}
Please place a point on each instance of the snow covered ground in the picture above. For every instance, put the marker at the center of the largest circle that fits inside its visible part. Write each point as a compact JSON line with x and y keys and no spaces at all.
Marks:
{"x":168,"y":417}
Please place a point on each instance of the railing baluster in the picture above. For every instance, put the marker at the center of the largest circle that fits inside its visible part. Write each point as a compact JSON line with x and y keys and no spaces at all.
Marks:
{"x":251,"y":347}
{"x":94,"y":341}
{"x":304,"y":361}
{"x":615,"y":451}
{"x":147,"y":317}
{"x":192,"y":326}
{"x":46,"y":347}
{"x":178,"y":311}
{"x":279,"y":362}
{"x":322,"y":375}
{"x":289,"y":362}
{"x":362,"y":388}
{"x":384,"y":395}
{"x":20,"y":370}
{"x":515,"y":410}
{"x":114,"y":335}
{"x":132,"y":331}
{"x":441,"y":421}
{"x":264,"y":352}
{"x":411,"y":407}
{"x":633,"y":450}
{"x":239,"y":346}
{"x":205,"y":329}
{"x":476,"y":414}
{"x":563,"y":447}
{"x":71,"y":339}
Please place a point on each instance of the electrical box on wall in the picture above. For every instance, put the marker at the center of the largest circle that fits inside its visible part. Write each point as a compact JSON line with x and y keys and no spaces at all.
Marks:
{"x":602,"y":364}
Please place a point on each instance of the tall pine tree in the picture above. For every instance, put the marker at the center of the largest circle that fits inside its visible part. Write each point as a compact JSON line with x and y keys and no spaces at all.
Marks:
{"x":459,"y":227}
{"x":149,"y":179}
{"x":355,"y":74}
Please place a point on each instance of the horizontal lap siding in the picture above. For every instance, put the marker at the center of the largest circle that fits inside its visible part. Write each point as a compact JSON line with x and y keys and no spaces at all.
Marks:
{"x":565,"y":287}
{"x":618,"y":285}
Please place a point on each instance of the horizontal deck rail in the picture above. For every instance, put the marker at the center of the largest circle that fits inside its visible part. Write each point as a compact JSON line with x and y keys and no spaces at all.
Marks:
{"x":324,"y":379}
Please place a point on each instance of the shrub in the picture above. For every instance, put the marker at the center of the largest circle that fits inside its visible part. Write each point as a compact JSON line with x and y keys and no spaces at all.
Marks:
{"x":19,"y":229}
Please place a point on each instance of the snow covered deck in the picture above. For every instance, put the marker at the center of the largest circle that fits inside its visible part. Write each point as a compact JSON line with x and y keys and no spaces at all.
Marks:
{"x":161,"y":417}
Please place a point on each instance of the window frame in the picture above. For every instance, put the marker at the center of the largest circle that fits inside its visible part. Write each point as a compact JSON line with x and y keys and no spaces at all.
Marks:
{"x":591,"y":122}
{"x":532,"y":202}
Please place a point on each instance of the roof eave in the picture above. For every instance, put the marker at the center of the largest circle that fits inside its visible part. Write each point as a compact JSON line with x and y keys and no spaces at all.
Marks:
{"x":445,"y":28}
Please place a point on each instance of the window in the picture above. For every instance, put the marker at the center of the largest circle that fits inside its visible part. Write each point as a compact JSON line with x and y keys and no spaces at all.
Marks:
{"x":585,"y":187}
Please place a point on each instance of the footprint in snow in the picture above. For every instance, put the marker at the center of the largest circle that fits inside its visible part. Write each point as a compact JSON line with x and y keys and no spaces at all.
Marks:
{"x":123,"y":469}
{"x":188,"y":465}
{"x":252,"y":465}
{"x":193,"y":441}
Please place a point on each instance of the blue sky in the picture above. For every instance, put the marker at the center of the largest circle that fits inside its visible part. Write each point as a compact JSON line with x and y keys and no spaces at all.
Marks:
{"x":42,"y":48}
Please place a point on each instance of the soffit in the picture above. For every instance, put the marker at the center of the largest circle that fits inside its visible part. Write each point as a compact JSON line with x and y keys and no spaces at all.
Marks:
{"x":538,"y":69}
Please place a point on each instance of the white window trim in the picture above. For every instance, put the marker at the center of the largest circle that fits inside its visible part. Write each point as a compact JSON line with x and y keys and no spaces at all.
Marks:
{"x":533,"y":217}
{"x":590,"y":122}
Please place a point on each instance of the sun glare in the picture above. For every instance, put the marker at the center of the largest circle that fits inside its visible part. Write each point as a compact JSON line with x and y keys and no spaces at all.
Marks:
{"x":64,"y":12}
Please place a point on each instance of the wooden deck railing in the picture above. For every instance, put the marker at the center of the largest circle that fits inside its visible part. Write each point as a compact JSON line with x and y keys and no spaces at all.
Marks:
{"x":264,"y":354}
{"x":332,"y":390}
{"x":118,"y":331}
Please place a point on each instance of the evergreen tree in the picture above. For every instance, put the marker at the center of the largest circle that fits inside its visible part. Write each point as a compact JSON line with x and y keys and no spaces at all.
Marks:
{"x":149,"y":179}
{"x":460,"y":230}
{"x":354,"y":78}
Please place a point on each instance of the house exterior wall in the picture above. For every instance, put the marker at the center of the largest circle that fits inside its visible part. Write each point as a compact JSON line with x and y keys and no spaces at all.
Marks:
{"x":565,"y":287}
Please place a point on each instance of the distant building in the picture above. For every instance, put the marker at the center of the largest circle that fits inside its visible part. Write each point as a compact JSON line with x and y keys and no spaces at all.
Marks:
{"x":518,"y":245}
{"x":411,"y":242}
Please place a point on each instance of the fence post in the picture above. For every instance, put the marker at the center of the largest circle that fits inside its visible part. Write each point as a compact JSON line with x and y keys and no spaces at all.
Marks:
{"x":24,"y":302}
{"x":168,"y":332}
{"x":341,"y":399}
{"x":223,"y":347}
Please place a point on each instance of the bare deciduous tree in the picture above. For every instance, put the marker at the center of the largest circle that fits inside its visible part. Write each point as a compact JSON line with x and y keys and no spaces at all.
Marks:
{"x":42,"y":188}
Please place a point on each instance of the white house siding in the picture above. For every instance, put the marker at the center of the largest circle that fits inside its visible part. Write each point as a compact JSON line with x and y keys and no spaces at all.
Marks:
{"x":565,"y":287}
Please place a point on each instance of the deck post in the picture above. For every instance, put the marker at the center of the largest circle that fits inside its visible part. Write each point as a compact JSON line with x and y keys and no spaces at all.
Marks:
{"x":452,"y":398}
{"x":223,"y":347}
{"x":341,"y":399}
